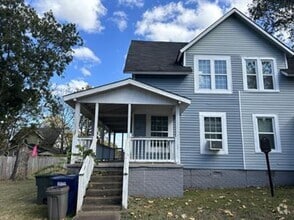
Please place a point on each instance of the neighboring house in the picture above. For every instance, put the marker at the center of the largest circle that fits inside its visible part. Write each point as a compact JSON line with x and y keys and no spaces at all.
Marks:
{"x":194,"y":112}
{"x":45,"y":138}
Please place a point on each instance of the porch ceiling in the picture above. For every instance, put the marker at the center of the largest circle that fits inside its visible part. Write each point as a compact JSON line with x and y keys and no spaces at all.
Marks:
{"x":114,"y":116}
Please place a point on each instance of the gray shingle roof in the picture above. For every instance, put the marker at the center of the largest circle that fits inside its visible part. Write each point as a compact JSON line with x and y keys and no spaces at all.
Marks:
{"x":152,"y":56}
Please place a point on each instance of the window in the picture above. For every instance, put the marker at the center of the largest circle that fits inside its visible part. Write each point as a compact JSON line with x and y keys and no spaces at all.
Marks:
{"x":159,"y":126}
{"x":213,"y":133}
{"x":266,"y":126}
{"x":212,"y":74}
{"x":259,"y":74}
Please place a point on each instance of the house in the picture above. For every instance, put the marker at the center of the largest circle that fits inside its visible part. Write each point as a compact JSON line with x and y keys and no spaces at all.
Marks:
{"x":45,"y":138}
{"x":194,"y":112}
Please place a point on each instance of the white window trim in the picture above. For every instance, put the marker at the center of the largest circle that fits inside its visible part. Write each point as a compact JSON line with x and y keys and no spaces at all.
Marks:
{"x":260,"y":86}
{"x":212,"y":59}
{"x":223,"y":117}
{"x":276,"y":132}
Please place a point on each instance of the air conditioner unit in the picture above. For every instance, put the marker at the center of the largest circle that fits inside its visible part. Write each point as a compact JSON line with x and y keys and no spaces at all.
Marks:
{"x":215,"y":145}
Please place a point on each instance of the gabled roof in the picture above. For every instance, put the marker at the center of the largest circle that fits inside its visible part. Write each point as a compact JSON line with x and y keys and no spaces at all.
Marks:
{"x":247,"y":20}
{"x":122,"y":83}
{"x":24,"y":132}
{"x":152,"y":56}
{"x":47,"y":135}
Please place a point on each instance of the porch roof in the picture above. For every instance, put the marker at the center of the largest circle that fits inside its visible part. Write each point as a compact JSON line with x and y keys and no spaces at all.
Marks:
{"x":138,"y":89}
{"x":113,"y":99}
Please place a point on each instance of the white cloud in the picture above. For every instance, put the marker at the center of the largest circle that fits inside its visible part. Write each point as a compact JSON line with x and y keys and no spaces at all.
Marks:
{"x":240,"y":5}
{"x":176,"y":22}
{"x":86,"y":14}
{"x":120,"y":19}
{"x":85,"y":71}
{"x":86,"y":54}
{"x":72,"y":86}
{"x":132,"y":3}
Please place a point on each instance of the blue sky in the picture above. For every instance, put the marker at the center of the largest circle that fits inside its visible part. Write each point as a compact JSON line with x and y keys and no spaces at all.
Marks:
{"x":108,"y":26}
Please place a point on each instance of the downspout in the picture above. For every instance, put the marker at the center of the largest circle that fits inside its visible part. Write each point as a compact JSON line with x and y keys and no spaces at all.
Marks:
{"x":177,"y":140}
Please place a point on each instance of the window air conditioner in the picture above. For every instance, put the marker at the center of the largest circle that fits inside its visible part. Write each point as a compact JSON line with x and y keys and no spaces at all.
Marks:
{"x":215,"y":145}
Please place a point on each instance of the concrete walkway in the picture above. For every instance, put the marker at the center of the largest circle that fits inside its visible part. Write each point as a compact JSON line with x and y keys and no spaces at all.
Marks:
{"x":96,"y":215}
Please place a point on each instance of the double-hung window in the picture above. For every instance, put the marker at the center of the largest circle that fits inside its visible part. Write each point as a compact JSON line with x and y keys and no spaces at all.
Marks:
{"x":159,"y":126}
{"x":213,"y":133}
{"x":266,"y":126}
{"x":212,"y":74}
{"x":259,"y":74}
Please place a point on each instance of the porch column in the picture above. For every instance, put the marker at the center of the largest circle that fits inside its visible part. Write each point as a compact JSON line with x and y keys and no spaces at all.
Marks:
{"x":114,"y":137}
{"x":177,"y":139}
{"x":114,"y":147}
{"x":74,"y":149}
{"x":126,"y":161}
{"x":109,"y":137}
{"x":102,"y":134}
{"x":122,"y":141}
{"x":96,"y":124}
{"x":129,"y":128}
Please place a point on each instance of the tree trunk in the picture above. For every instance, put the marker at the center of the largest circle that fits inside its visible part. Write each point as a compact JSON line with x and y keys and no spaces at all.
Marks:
{"x":62,"y":140}
{"x":20,"y":170}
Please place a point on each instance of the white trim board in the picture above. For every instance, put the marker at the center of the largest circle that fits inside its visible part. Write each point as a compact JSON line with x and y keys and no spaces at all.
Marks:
{"x":242,"y":131}
{"x":124,"y":83}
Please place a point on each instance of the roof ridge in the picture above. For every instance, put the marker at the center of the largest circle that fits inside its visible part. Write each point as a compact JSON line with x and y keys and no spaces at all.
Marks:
{"x":152,"y":41}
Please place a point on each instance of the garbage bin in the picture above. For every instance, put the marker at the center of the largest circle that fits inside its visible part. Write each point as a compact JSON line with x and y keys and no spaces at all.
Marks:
{"x":57,"y":197}
{"x":72,"y":182}
{"x":42,"y":183}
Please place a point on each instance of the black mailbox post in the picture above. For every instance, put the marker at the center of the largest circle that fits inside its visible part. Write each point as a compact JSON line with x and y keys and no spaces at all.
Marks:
{"x":265,"y":147}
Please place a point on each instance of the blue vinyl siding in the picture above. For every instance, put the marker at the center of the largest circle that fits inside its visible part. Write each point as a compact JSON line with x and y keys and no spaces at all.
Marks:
{"x":280,"y":104}
{"x":190,"y":137}
{"x":235,"y":39}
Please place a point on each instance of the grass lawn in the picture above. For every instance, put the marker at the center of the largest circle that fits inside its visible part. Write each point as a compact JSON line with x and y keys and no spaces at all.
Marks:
{"x":18,"y":200}
{"x":250,"y":203}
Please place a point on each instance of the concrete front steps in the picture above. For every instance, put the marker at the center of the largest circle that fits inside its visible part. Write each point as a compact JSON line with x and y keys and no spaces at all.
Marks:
{"x":104,"y":194}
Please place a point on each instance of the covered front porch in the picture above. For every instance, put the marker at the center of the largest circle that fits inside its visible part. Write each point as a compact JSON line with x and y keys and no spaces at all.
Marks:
{"x":131,"y":122}
{"x":128,"y":116}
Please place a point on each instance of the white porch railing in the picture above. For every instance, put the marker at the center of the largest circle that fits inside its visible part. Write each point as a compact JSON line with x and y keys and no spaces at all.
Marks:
{"x":86,"y":171}
{"x":155,"y":149}
{"x":85,"y":141}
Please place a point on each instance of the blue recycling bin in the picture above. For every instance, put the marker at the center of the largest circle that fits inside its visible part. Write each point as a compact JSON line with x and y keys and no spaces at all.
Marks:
{"x":72,"y":182}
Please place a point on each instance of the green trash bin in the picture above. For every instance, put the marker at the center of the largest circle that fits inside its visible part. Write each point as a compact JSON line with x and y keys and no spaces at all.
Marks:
{"x":57,"y":202}
{"x":42,"y":183}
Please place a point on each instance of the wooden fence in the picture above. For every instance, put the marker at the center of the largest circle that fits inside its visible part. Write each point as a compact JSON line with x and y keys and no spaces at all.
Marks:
{"x":34,"y":164}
